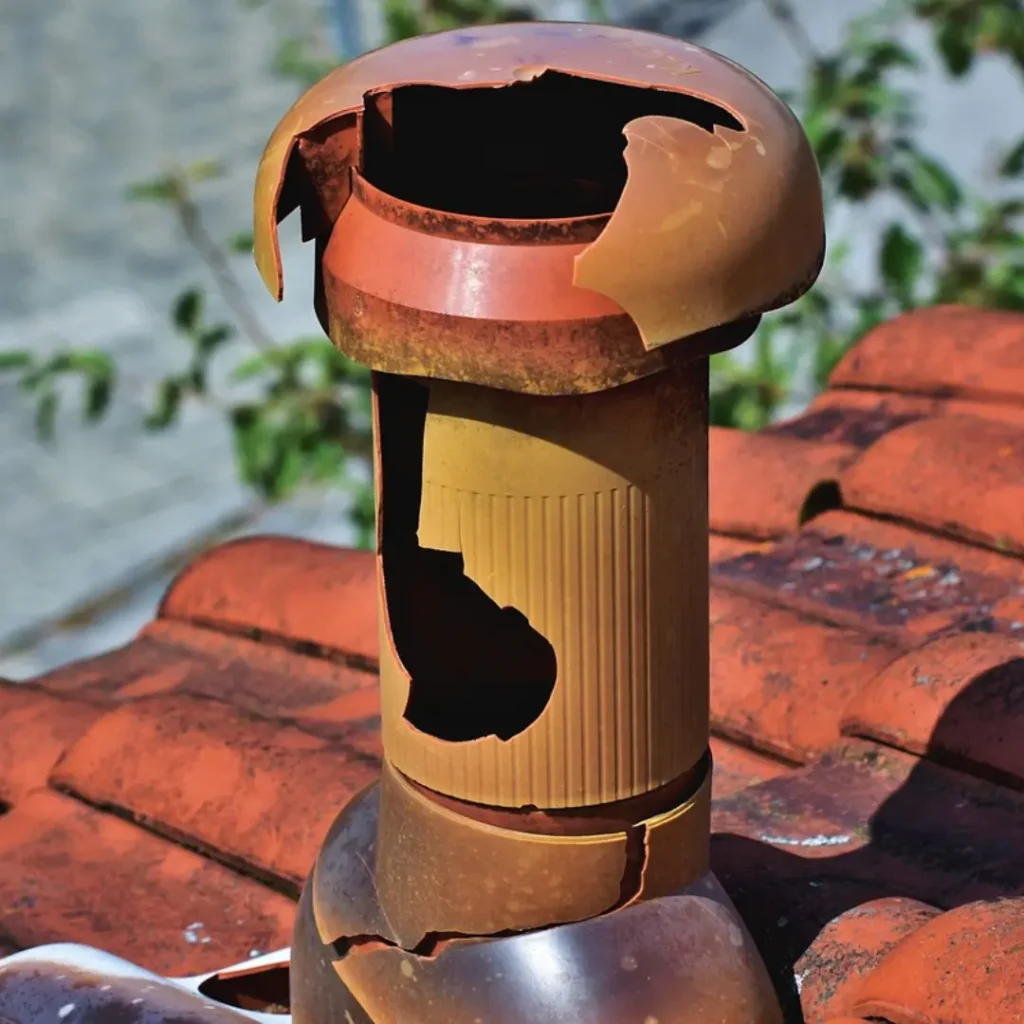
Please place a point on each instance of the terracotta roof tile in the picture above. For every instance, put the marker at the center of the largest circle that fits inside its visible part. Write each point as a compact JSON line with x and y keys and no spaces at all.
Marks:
{"x":849,"y":948}
{"x":855,"y":418}
{"x":860,"y":417}
{"x":968,"y":478}
{"x":69,"y":871}
{"x":762,"y":484}
{"x":37,"y":729}
{"x":789,"y":699}
{"x":944,"y":351}
{"x":721,"y":546}
{"x":877,"y":576}
{"x":862,"y":823}
{"x":962,"y":966}
{"x":736,"y":766}
{"x":240,"y":586}
{"x":172,"y":657}
{"x":246,"y":789}
{"x":959,"y":698}
{"x":866,"y":703}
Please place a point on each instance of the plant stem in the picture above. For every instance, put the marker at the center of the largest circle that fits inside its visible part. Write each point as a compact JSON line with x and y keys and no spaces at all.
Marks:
{"x":792,"y":27}
{"x":224,"y":277}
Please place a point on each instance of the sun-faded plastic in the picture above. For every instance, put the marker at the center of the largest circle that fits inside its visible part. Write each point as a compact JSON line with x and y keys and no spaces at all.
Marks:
{"x":588,"y":514}
{"x":682,"y":956}
{"x":436,"y":871}
{"x":710,"y":227}
{"x":684,"y":959}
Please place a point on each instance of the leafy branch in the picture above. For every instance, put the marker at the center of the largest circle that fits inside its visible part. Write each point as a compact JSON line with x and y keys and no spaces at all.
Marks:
{"x":945,"y":246}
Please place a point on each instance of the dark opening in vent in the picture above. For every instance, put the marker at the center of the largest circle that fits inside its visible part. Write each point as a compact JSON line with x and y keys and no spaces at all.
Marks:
{"x":476,"y":669}
{"x":548,"y":147}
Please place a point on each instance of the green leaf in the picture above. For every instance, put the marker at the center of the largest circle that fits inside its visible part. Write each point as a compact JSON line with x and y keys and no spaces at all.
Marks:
{"x":1013,"y":163}
{"x":204,"y":170}
{"x":930,"y":184}
{"x":955,"y":45}
{"x":212,"y":338}
{"x":253,"y":444}
{"x":46,"y":415}
{"x":828,"y":145}
{"x":14,"y":359}
{"x":884,"y":54}
{"x":362,"y":515}
{"x":288,"y":470}
{"x":98,"y":392}
{"x":248,"y":369}
{"x":165,"y":189}
{"x":241,"y":242}
{"x":188,"y":310}
{"x":168,"y":404}
{"x":327,"y":461}
{"x":90,"y":362}
{"x":402,"y":20}
{"x":901,"y":260}
{"x":195,"y":378}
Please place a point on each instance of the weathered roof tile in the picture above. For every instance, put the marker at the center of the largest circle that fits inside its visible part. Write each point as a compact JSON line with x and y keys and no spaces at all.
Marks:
{"x":736,"y":767}
{"x":173,"y":657}
{"x":293,"y":590}
{"x":944,"y":351}
{"x":246,"y":789}
{"x":37,"y":728}
{"x":962,"y":966}
{"x":791,"y":698}
{"x":862,"y":823}
{"x":849,"y":948}
{"x":958,"y":698}
{"x":762,"y":485}
{"x":877,"y":576}
{"x":174,"y":790}
{"x":968,"y":478}
{"x":70,"y":871}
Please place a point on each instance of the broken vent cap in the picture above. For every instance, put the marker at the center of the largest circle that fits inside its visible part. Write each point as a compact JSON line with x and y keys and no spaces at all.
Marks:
{"x":713,"y":191}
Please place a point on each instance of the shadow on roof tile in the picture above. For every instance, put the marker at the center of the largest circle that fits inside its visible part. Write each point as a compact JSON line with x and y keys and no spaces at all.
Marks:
{"x":863,"y":823}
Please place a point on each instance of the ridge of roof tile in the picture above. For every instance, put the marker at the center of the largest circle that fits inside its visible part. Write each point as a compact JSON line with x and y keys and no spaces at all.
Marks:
{"x":958,"y":698}
{"x":264,"y":679}
{"x":241,"y":586}
{"x":37,"y":729}
{"x":784,"y":471}
{"x":867,"y":638}
{"x":859,"y":417}
{"x":790,"y":699}
{"x":68,"y":870}
{"x":968,"y":475}
{"x":880,"y":577}
{"x":942,"y":351}
{"x":248,"y":790}
{"x":849,"y":948}
{"x":951,"y":967}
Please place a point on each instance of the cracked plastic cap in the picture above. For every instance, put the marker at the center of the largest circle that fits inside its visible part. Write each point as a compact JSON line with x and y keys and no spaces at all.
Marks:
{"x":708,"y":183}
